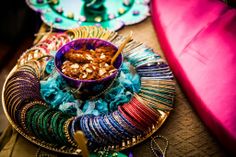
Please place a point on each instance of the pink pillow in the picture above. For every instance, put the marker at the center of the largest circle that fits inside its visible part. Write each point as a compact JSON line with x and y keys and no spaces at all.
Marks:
{"x":198,"y":38}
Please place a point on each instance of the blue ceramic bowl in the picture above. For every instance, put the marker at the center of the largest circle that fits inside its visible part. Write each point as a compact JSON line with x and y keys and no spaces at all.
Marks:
{"x":87,"y":88}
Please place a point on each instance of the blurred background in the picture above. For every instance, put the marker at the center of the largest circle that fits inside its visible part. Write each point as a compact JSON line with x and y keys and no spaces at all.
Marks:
{"x":18,"y":24}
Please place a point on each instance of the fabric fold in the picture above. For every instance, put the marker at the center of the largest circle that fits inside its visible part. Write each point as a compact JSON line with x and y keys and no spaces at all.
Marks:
{"x":198,"y":39}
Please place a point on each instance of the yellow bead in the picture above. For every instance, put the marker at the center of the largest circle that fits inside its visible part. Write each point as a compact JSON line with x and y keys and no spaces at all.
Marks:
{"x":70,"y":15}
{"x":115,"y":154}
{"x":54,"y":1}
{"x":98,"y":19}
{"x":121,"y":11}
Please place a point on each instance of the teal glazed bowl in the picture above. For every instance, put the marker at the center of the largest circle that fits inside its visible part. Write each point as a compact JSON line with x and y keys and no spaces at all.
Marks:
{"x":87,"y":88}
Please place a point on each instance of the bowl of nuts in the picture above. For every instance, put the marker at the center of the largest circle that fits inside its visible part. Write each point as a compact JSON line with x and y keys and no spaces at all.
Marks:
{"x":85,"y":64}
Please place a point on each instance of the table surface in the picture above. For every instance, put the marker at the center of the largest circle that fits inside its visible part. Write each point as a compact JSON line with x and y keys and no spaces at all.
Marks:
{"x":185,"y":132}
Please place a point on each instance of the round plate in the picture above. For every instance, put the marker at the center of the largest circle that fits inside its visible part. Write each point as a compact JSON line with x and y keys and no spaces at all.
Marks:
{"x":155,"y":99}
{"x":68,"y":14}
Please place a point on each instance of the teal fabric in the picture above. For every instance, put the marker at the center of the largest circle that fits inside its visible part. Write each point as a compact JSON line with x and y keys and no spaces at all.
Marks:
{"x":57,"y":94}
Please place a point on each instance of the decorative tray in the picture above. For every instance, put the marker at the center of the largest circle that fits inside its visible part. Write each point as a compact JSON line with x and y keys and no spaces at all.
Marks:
{"x":127,"y":119}
{"x":111,"y":14}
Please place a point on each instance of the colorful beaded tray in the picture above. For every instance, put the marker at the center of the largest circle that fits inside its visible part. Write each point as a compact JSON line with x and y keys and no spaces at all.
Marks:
{"x":127,"y":124}
{"x":111,"y":14}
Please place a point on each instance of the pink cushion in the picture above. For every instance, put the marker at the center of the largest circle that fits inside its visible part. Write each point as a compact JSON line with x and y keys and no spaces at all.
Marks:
{"x":198,"y":38}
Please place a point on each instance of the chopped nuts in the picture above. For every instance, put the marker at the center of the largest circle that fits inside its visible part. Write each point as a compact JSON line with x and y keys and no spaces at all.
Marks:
{"x":101,"y":71}
{"x":89,"y":70}
{"x":84,"y":64}
{"x":106,"y":65}
{"x":89,"y":57}
{"x":84,"y":75}
{"x":75,"y":65}
{"x":102,"y":56}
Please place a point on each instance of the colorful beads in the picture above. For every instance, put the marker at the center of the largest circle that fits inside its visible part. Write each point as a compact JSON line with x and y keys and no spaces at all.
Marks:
{"x":98,"y":25}
{"x":82,"y":18}
{"x":70,"y":15}
{"x":60,"y":10}
{"x":111,"y":16}
{"x":121,"y":11}
{"x":98,"y":19}
{"x":40,"y":1}
{"x":136,"y":12}
{"x":54,"y":2}
{"x":58,"y":20}
{"x":126,"y":2}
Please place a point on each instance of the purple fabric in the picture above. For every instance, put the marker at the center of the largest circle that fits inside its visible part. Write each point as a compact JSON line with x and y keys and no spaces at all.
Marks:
{"x":198,"y":38}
